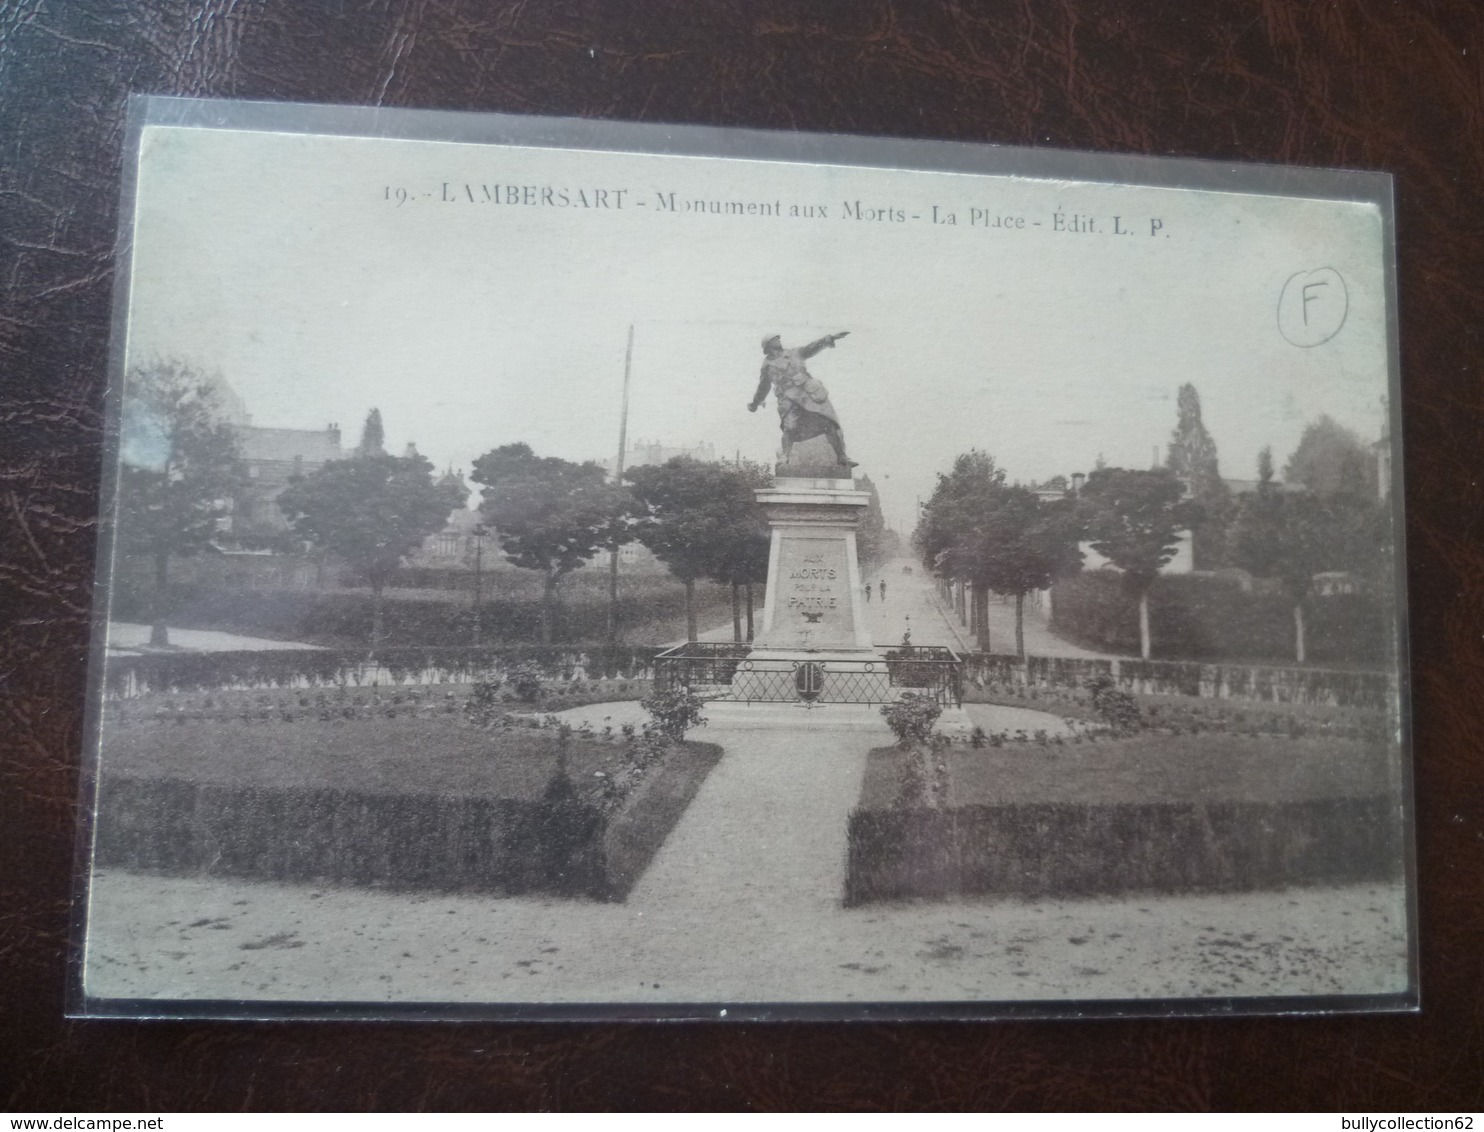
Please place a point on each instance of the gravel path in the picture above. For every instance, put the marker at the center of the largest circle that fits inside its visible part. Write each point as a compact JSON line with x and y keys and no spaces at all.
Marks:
{"x":912,"y":603}
{"x":741,"y":904}
{"x":169,"y":938}
{"x":125,"y":636}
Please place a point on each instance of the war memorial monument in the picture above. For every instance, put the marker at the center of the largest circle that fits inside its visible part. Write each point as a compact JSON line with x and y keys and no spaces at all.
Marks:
{"x":813,"y":643}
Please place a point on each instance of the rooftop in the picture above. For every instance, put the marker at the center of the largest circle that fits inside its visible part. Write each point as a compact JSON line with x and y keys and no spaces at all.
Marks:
{"x":313,"y":446}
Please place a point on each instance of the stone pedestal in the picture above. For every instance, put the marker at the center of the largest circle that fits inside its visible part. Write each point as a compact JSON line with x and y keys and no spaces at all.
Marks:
{"x":814,"y":600}
{"x":813,"y":642}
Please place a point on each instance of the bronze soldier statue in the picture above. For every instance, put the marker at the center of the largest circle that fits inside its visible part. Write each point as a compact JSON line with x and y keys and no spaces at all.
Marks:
{"x":804,"y":409}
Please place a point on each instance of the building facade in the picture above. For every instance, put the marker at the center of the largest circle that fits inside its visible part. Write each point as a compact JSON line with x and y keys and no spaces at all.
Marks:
{"x":643,"y":453}
{"x":273,"y":457}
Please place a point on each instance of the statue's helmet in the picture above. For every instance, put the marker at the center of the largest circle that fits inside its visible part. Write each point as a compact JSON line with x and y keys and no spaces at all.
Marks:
{"x":771,"y":342}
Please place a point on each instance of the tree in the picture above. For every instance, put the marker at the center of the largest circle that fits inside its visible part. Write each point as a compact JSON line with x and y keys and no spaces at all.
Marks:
{"x":750,"y":568}
{"x":550,"y":514}
{"x":959,"y":498}
{"x":1134,"y":520}
{"x":1192,"y":452}
{"x":1331,"y":460}
{"x":999,"y":538}
{"x":371,"y":510}
{"x":373,"y":437}
{"x":1319,"y":535}
{"x":693,"y":515}
{"x":957,"y":495}
{"x":1192,"y":457}
{"x":743,"y":563}
{"x":1021,"y":544}
{"x":875,"y":542}
{"x":1294,"y":535}
{"x":1257,"y":530}
{"x":179,"y":470}
{"x":1303,"y":549}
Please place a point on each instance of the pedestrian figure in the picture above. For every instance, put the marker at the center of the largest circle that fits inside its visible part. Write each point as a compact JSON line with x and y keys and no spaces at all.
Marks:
{"x":883,"y":589}
{"x":868,"y":593}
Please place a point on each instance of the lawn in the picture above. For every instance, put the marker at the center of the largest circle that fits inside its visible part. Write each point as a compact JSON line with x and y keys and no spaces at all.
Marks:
{"x":443,"y":756}
{"x":1149,"y":767}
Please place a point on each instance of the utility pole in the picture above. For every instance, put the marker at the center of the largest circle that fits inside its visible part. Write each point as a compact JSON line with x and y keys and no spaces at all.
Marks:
{"x":480,"y":530}
{"x":623,"y":441}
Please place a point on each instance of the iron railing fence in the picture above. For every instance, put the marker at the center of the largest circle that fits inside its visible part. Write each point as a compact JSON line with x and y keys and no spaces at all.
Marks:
{"x":699,"y":665}
{"x":722,"y":670}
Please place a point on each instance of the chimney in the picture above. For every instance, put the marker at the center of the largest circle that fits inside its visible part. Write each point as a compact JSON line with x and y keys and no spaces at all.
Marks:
{"x":1078,"y":479}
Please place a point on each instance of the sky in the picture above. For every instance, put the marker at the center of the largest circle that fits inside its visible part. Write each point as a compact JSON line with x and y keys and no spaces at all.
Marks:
{"x":445,"y":285}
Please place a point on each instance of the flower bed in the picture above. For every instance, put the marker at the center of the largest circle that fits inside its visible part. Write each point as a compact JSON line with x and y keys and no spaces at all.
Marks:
{"x":1195,"y":715}
{"x":1248,"y":682}
{"x":329,"y":668}
{"x":345,"y":702}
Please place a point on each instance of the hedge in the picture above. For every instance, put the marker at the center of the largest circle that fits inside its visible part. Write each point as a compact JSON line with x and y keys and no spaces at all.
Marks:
{"x":1205,"y":617}
{"x":346,"y":837}
{"x":1077,"y":849}
{"x":557,"y":844}
{"x":652,"y":607}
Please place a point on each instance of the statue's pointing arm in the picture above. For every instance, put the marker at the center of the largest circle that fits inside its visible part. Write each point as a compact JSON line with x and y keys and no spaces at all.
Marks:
{"x":827,"y":341}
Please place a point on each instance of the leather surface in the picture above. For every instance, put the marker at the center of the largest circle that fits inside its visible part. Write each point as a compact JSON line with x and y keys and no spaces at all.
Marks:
{"x":1361,"y":83}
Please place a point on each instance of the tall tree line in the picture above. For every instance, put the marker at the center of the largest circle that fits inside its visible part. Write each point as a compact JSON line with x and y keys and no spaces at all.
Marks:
{"x":995,"y":537}
{"x":1326,"y":516}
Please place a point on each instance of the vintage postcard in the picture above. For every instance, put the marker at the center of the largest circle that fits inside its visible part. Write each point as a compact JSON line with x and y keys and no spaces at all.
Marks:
{"x":569,"y":569}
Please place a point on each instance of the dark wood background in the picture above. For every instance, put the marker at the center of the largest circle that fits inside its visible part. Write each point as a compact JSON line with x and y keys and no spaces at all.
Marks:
{"x":1360,"y":83}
